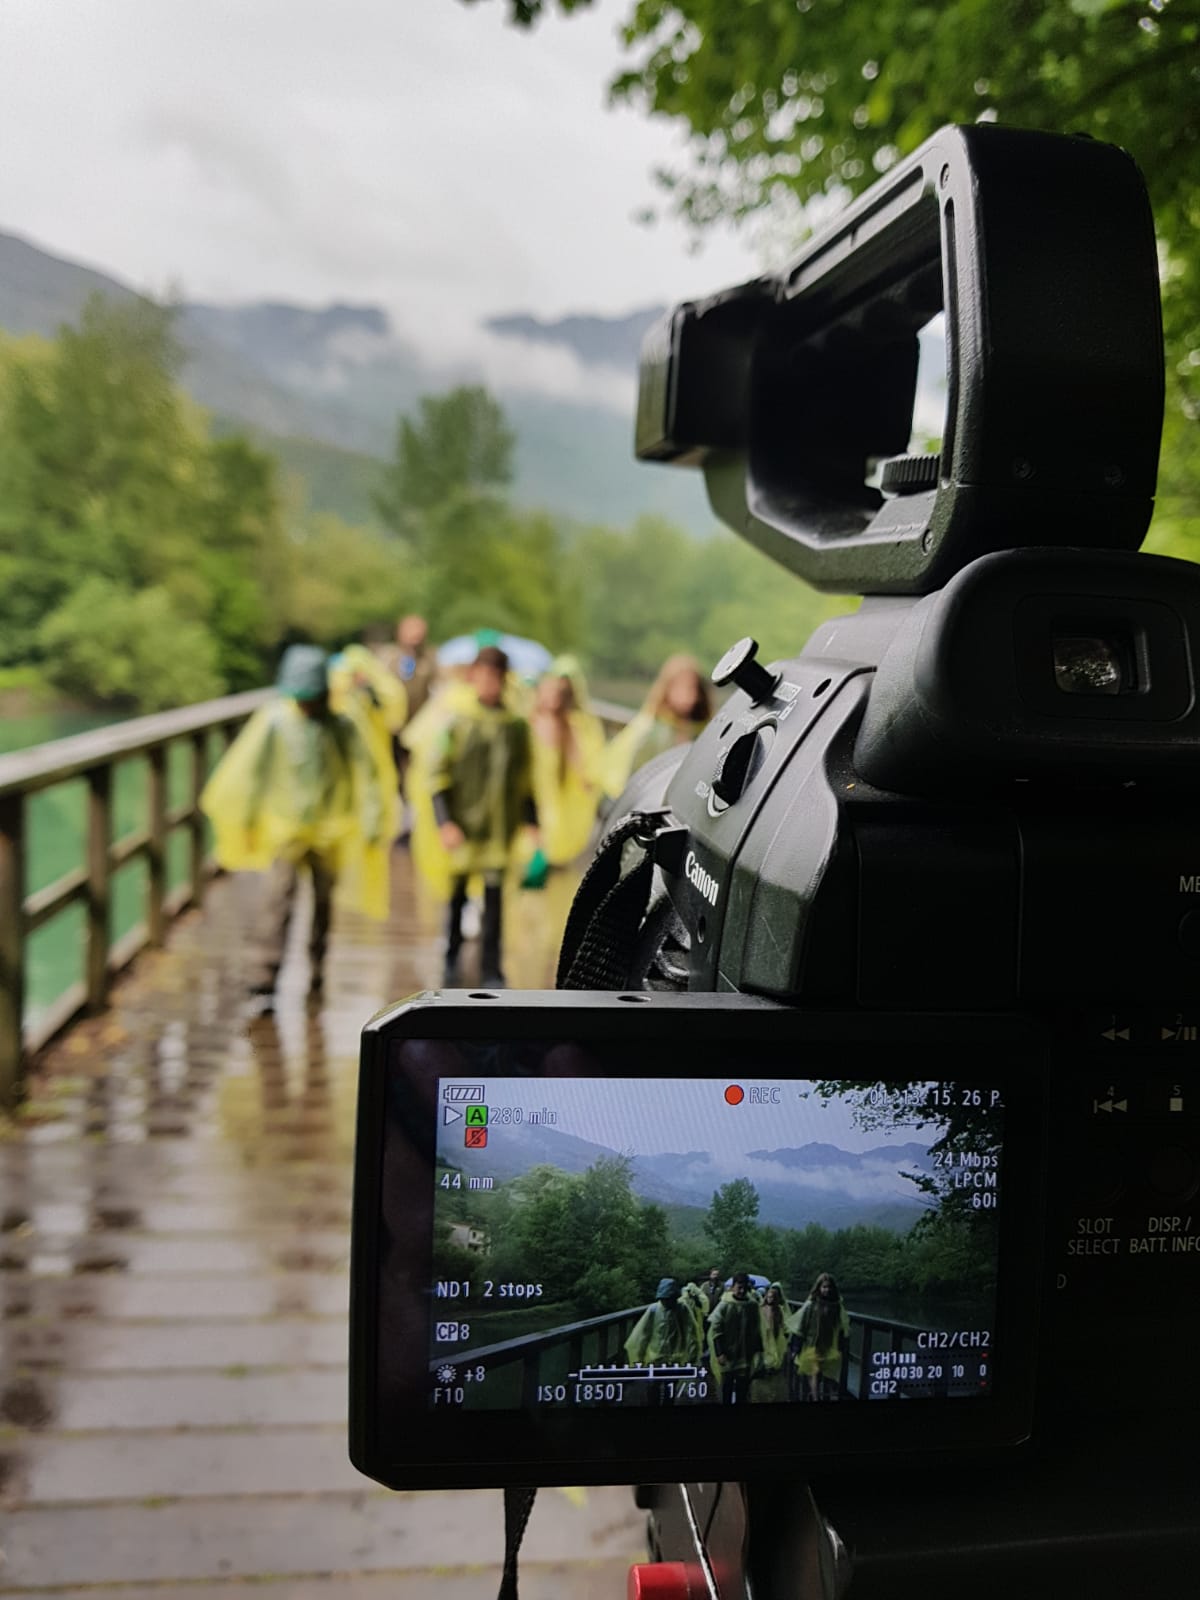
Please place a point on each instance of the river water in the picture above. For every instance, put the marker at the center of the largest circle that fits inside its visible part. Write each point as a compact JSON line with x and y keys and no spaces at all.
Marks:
{"x":55,"y":838}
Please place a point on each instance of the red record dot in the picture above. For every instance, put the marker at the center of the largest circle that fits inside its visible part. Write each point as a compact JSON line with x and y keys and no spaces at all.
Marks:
{"x":735,"y":1094}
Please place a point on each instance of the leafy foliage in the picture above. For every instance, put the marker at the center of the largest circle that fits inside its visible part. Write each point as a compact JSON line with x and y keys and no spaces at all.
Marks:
{"x":730,"y":1223}
{"x":114,"y":490}
{"x":460,"y":442}
{"x":651,"y":590}
{"x":584,"y":1237}
{"x":526,"y":12}
{"x":162,"y":659}
{"x":111,"y":490}
{"x":787,"y":102}
{"x":792,"y":100}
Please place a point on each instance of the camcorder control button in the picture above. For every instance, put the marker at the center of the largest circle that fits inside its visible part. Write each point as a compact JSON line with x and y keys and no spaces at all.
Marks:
{"x":1175,"y":1172}
{"x":1189,"y":934}
{"x":737,"y":763}
{"x":738,"y":666}
{"x":665,"y":1580}
{"x":910,"y":474}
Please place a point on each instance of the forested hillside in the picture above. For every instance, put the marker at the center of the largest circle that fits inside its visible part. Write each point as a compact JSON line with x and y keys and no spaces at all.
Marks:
{"x":150,"y":556}
{"x":303,"y":378}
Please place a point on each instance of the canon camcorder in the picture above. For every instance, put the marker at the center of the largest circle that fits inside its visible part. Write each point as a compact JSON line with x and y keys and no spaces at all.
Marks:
{"x":892,"y":972}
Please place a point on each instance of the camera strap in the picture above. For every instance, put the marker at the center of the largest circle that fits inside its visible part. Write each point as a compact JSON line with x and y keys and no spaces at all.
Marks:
{"x":601,"y":936}
{"x":518,"y":1503}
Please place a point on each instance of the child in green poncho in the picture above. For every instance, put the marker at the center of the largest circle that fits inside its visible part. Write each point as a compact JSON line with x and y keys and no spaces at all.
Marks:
{"x":481,"y":782}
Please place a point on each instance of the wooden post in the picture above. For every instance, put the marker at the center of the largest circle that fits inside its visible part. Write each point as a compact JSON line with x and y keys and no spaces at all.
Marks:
{"x":12,"y":945}
{"x":199,"y":744}
{"x":156,"y":809}
{"x":99,"y":841}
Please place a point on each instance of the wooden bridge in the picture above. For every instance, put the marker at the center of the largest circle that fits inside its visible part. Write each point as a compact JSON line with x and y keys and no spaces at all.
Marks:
{"x":174,"y":1212}
{"x":518,"y":1368}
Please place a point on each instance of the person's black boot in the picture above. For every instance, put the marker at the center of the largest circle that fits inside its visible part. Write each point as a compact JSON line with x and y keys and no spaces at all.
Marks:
{"x":454,"y":936}
{"x":491,"y":975}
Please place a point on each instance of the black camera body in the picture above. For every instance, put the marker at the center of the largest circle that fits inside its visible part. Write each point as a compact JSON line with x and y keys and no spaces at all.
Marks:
{"x":962,"y":820}
{"x":982,"y":797}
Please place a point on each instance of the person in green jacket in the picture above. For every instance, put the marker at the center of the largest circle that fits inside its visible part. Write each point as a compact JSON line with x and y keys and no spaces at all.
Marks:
{"x":481,"y":783}
{"x":664,"y":1335}
{"x":735,"y":1342}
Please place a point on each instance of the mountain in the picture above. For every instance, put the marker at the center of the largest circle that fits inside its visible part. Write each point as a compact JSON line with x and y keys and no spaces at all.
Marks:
{"x":811,"y":1183}
{"x":813,"y":1157}
{"x":338,"y":376}
{"x":40,"y":292}
{"x":598,"y":341}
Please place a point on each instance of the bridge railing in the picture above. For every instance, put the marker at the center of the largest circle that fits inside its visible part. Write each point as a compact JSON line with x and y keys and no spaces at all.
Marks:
{"x":93,"y":758}
{"x":600,"y":1341}
{"x":871,"y":1336}
{"x":596,"y":1341}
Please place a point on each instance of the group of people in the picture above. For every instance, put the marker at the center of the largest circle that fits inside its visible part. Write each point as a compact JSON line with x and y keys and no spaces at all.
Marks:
{"x":484,"y":773}
{"x":755,"y":1346}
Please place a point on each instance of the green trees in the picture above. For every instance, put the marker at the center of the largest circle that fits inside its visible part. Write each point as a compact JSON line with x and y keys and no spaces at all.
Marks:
{"x":791,"y":100}
{"x":651,"y":589}
{"x":475,"y":560}
{"x":730,"y":1224}
{"x":586,"y":1238}
{"x":147,"y":563}
{"x":106,"y":642}
{"x":787,"y":101}
{"x":139,"y":560}
{"x":460,"y":443}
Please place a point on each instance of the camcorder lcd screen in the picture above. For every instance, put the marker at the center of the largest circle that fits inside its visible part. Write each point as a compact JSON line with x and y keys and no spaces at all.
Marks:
{"x":557,"y":1235}
{"x":741,"y":1240}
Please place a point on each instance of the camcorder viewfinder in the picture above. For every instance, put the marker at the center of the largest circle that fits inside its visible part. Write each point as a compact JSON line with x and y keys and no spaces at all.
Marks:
{"x":893,"y":1036}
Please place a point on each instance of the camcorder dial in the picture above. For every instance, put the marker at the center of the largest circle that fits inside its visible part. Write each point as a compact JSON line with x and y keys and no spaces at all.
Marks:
{"x":738,"y":666}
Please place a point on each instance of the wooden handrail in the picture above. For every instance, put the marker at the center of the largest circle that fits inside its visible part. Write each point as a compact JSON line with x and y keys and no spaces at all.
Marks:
{"x":92,"y":757}
{"x":27,"y":771}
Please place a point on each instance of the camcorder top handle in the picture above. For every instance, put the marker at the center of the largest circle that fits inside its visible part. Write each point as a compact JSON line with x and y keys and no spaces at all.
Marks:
{"x":788,"y":389}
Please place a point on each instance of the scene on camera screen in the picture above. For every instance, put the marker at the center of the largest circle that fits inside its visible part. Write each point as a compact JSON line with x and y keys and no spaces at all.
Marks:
{"x":717,"y":1241}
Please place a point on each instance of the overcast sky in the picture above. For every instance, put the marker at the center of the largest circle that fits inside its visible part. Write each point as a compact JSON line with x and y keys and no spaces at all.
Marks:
{"x":651,"y":1115}
{"x":418,"y":154}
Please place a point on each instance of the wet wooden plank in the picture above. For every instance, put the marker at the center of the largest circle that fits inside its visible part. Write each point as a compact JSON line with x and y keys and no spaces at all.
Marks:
{"x":273,"y":1537}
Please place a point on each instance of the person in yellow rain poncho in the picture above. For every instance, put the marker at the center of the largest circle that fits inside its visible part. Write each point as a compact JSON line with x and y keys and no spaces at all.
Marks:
{"x":481,"y":782}
{"x":298,"y":789}
{"x":664,"y":1335}
{"x":696,"y":1301}
{"x":820,"y":1331}
{"x":568,"y":749}
{"x":772,"y":1383}
{"x":361,"y":687}
{"x":421,"y":740}
{"x":674,"y":712}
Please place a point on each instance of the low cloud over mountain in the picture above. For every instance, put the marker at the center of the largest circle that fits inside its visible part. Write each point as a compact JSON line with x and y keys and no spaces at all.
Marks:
{"x":340,"y":374}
